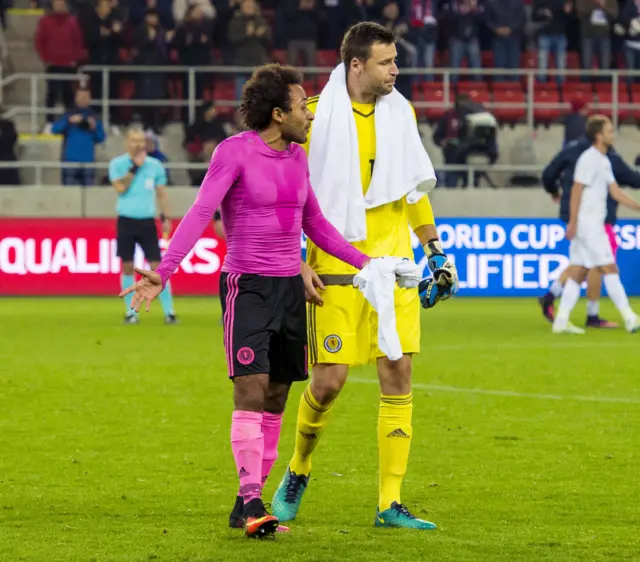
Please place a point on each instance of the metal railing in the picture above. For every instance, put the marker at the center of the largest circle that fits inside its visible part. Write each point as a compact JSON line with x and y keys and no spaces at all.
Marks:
{"x":616,"y":78}
{"x":38,"y":168}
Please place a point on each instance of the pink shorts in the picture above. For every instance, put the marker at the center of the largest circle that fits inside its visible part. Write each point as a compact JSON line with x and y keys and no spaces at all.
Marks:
{"x":612,"y":238}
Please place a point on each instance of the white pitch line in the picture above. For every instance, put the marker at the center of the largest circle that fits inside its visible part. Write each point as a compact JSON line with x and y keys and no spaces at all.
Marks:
{"x":511,"y":393}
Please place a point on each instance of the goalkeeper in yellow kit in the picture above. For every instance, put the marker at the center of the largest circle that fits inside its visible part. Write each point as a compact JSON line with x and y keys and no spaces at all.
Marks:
{"x":342,"y":325}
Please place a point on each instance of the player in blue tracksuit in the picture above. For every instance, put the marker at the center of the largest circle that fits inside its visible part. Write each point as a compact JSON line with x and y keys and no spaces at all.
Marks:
{"x":557,"y":179}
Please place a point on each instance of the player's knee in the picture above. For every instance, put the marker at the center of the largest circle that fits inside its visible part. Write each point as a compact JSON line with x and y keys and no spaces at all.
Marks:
{"x":276,"y":399}
{"x":395,"y":376}
{"x":327,"y":381}
{"x":250,"y":392}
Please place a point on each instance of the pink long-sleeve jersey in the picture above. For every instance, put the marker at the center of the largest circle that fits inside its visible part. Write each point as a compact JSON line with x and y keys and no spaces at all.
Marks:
{"x":266,"y":200}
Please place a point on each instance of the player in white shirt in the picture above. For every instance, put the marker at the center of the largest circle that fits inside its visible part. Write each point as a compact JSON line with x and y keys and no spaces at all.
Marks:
{"x":590,"y":249}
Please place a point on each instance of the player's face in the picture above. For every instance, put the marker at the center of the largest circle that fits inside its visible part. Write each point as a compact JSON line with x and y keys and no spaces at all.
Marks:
{"x":136,"y":142}
{"x":297,"y":123}
{"x":380,"y":70}
{"x":607,"y":134}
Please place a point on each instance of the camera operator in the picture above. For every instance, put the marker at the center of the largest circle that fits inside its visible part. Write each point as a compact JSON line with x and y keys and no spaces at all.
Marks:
{"x":466,"y":131}
{"x":82,"y":130}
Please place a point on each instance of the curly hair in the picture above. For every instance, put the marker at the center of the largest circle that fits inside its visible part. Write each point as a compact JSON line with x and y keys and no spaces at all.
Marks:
{"x":267,"y":89}
{"x":359,"y":38}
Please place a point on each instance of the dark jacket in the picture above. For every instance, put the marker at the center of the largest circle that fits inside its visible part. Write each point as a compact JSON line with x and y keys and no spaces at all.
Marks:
{"x":584,"y":9}
{"x":301,"y":24}
{"x":248,"y":50}
{"x":628,"y":13}
{"x":505,"y":13}
{"x":575,"y":127}
{"x":188,"y":41}
{"x":102,"y":50}
{"x":557,"y":25}
{"x":79,"y":141}
{"x":464,"y":26}
{"x":559,"y":175}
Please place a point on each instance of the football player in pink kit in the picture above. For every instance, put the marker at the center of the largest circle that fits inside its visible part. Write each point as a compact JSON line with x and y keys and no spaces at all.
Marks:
{"x":260,"y":180}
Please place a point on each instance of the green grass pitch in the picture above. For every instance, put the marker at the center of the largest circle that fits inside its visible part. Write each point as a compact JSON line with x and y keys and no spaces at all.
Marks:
{"x":114,"y":441}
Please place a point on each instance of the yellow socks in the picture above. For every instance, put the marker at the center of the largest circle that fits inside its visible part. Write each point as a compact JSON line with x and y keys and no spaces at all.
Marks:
{"x":312,"y":419}
{"x":394,"y":441}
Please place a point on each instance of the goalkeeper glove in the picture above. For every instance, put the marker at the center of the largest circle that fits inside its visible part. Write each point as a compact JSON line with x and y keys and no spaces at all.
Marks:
{"x":443,"y":270}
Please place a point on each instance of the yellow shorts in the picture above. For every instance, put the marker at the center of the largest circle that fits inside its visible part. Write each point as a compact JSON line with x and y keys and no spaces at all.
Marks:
{"x":344,"y":330}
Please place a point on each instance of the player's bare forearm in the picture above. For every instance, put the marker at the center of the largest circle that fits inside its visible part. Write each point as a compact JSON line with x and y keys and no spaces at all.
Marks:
{"x":426,"y":232}
{"x":576,"y":197}
{"x":621,"y":197}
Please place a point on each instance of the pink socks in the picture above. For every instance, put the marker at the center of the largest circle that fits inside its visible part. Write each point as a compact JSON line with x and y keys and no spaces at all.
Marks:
{"x":271,"y":425}
{"x":247,"y":444}
{"x":254,"y":441}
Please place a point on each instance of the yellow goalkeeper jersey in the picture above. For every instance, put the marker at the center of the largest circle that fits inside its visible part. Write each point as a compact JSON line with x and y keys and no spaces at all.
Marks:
{"x":387,"y":225}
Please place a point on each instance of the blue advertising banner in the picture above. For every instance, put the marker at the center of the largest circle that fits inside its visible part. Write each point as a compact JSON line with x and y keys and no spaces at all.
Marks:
{"x":520,"y":257}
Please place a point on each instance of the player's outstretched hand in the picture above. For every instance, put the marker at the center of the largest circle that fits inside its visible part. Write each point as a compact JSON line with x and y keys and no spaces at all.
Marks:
{"x":146,"y":289}
{"x":311,"y":284}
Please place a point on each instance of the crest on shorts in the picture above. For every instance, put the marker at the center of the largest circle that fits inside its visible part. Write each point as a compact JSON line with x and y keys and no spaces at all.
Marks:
{"x":333,"y":343}
{"x":246,"y":356}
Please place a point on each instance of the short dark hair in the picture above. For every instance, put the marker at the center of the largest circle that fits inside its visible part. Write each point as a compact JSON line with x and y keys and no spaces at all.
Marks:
{"x":358,"y":40}
{"x":267,"y":89}
{"x":595,"y":124}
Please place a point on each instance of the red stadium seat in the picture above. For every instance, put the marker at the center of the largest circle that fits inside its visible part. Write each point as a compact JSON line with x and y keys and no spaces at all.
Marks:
{"x":549,"y":97}
{"x":626,"y":110}
{"x":321,"y":82}
{"x":466,"y":86}
{"x":327,"y":58}
{"x":573,"y":63}
{"x":502,"y":98}
{"x":436,"y":97}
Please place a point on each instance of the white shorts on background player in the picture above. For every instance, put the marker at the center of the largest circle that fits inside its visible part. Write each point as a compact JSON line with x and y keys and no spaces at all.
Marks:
{"x":591,"y":246}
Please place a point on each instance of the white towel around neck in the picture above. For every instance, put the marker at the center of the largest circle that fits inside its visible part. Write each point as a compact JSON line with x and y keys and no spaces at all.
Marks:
{"x":402,"y":166}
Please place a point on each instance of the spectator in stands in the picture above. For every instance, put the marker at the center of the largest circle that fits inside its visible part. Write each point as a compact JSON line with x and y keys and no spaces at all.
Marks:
{"x":164,"y":8}
{"x":181,"y":9}
{"x":8,"y":145}
{"x":464,"y":28}
{"x":506,"y":19}
{"x":153,"y":150}
{"x":225,"y":10}
{"x":596,"y":19}
{"x":194,"y":43}
{"x":629,"y":28}
{"x":553,"y":16}
{"x":82,"y":130}
{"x":249,"y":37}
{"x":407,"y":51}
{"x":150,"y":50}
{"x":575,"y":123}
{"x":203,"y":135}
{"x":58,"y":42}
{"x":302,"y":23}
{"x":424,"y":28}
{"x":102,"y":29}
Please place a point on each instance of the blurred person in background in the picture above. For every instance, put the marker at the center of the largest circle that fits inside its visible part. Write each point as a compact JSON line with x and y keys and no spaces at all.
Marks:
{"x":202,"y":137}
{"x":628,"y":27}
{"x":553,"y":16}
{"x":58,"y":42}
{"x":150,"y":49}
{"x":596,"y":20}
{"x":181,"y":10}
{"x":153,"y":150}
{"x":424,"y":27}
{"x":249,"y":38}
{"x":8,"y":146}
{"x":164,"y":8}
{"x":506,"y":20}
{"x":140,"y":182}
{"x":464,"y":24}
{"x":575,"y":122}
{"x":302,"y":24}
{"x":407,"y":51}
{"x":81,"y":129}
{"x":194,"y":43}
{"x":103,"y":34}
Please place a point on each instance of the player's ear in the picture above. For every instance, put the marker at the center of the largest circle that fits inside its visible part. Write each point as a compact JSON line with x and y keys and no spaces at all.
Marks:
{"x":277,"y":114}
